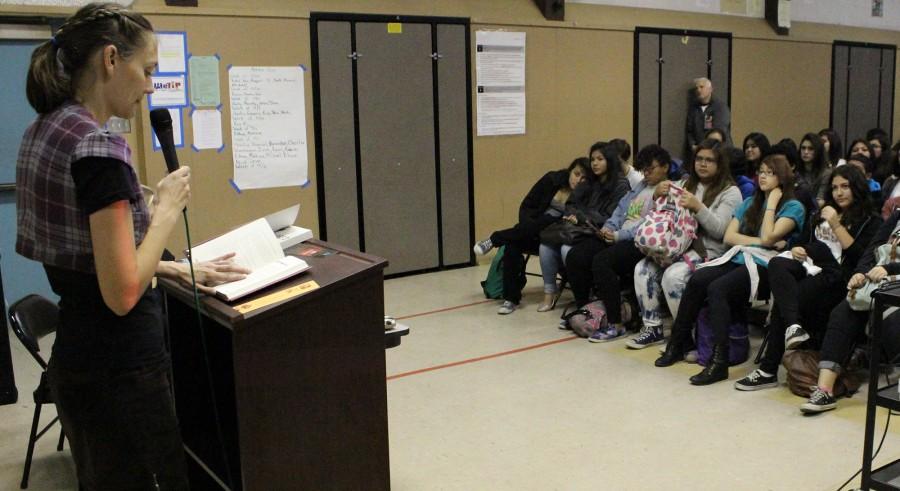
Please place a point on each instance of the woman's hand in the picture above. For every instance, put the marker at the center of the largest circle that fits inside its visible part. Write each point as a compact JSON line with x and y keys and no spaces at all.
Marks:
{"x":774,"y":198}
{"x":856,"y":281}
{"x":831,"y":216}
{"x":689,"y":200}
{"x":571,"y":219}
{"x":876,"y":274}
{"x":799,"y":253}
{"x":606,"y":235}
{"x":173,"y":191}
{"x":662,"y":189}
{"x":214,"y":272}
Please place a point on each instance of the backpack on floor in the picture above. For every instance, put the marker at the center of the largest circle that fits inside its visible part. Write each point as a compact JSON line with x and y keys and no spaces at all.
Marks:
{"x":738,"y":340}
{"x":493,"y":284}
{"x":586,"y":320}
{"x":802,"y":368}
{"x":667,"y":231}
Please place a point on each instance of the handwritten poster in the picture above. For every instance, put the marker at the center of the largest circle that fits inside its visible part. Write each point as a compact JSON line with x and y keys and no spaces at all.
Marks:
{"x":500,"y":81}
{"x":268,"y":126}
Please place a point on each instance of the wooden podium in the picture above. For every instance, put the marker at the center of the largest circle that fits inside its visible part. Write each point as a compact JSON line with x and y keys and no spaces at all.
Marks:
{"x":299,"y":384}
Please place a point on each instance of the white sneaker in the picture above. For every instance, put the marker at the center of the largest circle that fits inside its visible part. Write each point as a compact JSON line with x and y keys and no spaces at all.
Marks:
{"x":483,"y":247}
{"x":794,"y":335}
{"x":507,"y":308}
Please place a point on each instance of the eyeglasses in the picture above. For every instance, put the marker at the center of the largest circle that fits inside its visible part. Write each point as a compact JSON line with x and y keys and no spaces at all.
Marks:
{"x":705,"y":160}
{"x":766,"y":173}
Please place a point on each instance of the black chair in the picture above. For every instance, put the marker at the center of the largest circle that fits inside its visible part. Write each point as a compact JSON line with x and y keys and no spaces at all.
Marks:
{"x":32,"y":318}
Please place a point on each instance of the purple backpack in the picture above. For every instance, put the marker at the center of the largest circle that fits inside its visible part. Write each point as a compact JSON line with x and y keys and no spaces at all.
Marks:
{"x":738,"y":341}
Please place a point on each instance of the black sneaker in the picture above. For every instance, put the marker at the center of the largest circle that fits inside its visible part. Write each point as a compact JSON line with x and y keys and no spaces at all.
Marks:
{"x":756,"y":381}
{"x":794,"y":335}
{"x":819,"y":401}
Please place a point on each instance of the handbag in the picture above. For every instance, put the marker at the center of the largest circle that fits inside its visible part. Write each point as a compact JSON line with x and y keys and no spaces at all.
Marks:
{"x":802,"y":368}
{"x":860,"y":299}
{"x":565,"y":233}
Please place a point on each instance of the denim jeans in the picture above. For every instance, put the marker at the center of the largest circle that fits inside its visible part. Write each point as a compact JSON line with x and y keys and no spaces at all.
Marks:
{"x":552,"y":260}
{"x":654,"y":284}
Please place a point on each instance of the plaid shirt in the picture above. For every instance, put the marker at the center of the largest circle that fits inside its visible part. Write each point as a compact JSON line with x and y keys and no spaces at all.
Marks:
{"x":52,"y":227}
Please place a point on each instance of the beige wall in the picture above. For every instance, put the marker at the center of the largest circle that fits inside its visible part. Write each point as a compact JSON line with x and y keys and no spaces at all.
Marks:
{"x":579,"y":84}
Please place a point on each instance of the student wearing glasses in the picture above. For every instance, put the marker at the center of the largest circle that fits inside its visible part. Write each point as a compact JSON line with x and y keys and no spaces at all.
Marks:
{"x":762,"y":225}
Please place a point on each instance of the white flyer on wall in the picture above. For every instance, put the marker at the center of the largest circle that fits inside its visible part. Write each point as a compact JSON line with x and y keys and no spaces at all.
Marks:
{"x":268,"y":126}
{"x":500,"y":82}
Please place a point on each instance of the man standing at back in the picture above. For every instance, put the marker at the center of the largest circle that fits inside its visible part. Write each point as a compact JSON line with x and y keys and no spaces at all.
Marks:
{"x":706,"y":113}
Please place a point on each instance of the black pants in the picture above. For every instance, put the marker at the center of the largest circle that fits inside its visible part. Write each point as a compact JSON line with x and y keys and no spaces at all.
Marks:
{"x":799,"y":299}
{"x":579,"y":268}
{"x":613,"y":271}
{"x":726,"y":289}
{"x":121,"y":427}
{"x":520,"y":239}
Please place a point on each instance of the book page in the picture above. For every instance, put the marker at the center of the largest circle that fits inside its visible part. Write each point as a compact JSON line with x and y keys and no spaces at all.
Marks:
{"x":255,"y":246}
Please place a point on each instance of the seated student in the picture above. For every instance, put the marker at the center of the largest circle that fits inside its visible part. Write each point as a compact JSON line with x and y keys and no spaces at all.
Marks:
{"x":834,"y":149}
{"x":633,"y":175}
{"x":866,"y":166}
{"x":715,"y":134}
{"x":890,"y":190}
{"x":756,"y":147}
{"x":619,"y":256}
{"x":740,"y":169}
{"x":711,"y":196}
{"x":813,"y":168}
{"x":591,"y":203}
{"x":834,"y":241}
{"x":846,"y":325}
{"x":543,"y":205}
{"x":762,"y":225}
{"x":802,"y":191}
{"x":881,"y":154}
{"x":860,"y":146}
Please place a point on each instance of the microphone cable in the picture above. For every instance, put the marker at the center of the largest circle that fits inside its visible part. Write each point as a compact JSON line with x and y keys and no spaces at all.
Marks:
{"x":212,"y":390}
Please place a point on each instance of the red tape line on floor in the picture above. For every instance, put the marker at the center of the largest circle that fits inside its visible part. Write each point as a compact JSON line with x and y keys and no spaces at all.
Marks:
{"x":481,"y":358}
{"x":443,"y":310}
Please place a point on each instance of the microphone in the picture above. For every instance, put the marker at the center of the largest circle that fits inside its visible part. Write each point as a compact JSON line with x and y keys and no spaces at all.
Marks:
{"x":161,"y":121}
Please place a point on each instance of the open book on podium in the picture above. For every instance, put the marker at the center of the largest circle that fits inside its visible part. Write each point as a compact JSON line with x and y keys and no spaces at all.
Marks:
{"x":256,"y":248}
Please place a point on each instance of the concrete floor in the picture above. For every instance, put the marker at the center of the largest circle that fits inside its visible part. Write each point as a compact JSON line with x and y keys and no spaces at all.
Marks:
{"x":482,"y":401}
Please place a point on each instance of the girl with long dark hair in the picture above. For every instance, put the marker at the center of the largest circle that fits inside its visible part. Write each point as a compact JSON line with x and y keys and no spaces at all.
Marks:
{"x":833,"y":241}
{"x":544,"y":204}
{"x":711,"y":196}
{"x":762,"y":225}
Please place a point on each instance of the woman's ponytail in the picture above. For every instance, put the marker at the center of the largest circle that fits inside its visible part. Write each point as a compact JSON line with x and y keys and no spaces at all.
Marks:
{"x":47,"y":85}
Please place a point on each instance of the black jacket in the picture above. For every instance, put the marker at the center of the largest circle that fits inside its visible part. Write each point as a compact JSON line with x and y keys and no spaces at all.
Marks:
{"x":862,"y":234}
{"x":595,"y":202}
{"x":867,"y":261}
{"x":720,"y":117}
{"x":541,"y":195}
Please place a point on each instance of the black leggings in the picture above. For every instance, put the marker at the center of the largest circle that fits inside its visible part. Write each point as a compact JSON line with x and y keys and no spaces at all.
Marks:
{"x":613,"y":271}
{"x":726,"y":289}
{"x":579,"y":268}
{"x":520,"y":239}
{"x":799,"y":299}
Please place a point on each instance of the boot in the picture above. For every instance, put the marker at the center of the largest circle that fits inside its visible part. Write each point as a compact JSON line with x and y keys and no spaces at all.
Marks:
{"x":716,"y":370}
{"x":675,"y":350}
